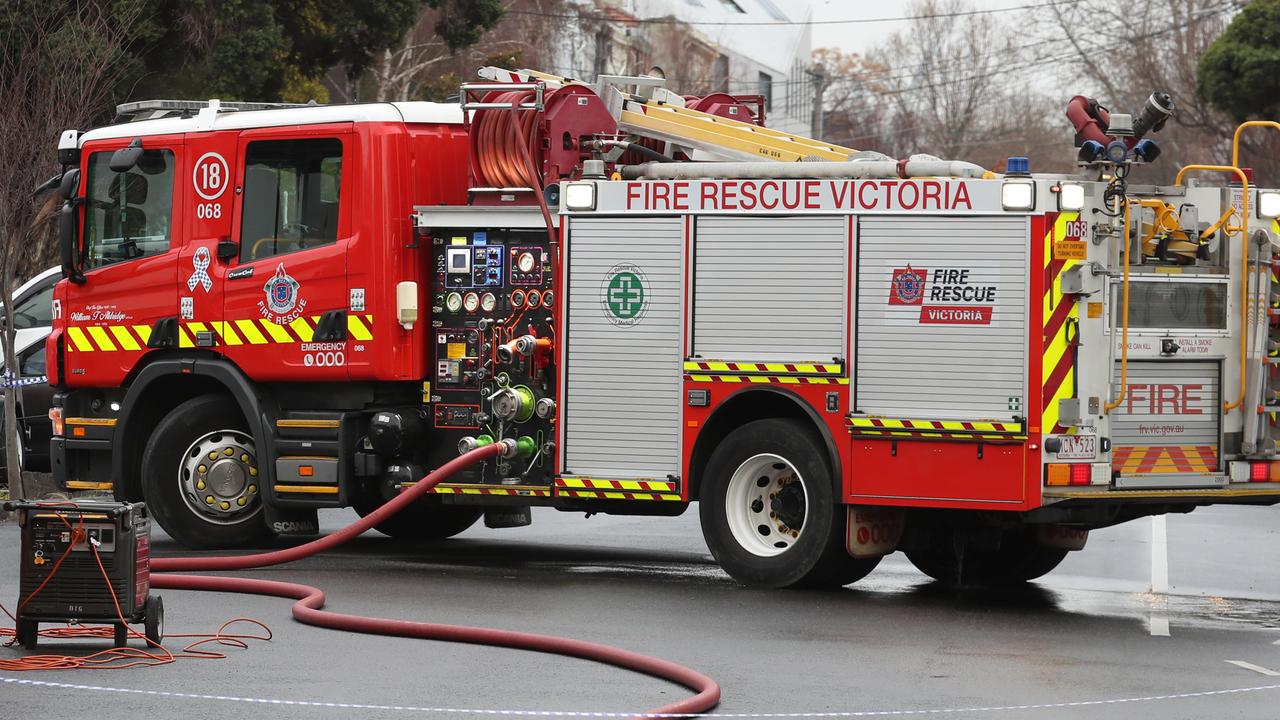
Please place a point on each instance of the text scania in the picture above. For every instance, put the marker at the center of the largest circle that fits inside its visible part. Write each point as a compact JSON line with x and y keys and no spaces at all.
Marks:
{"x":833,"y":195}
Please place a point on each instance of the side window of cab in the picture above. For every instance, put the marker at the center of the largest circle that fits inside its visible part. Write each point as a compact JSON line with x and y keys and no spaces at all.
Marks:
{"x":291,"y":194}
{"x":128,"y":215}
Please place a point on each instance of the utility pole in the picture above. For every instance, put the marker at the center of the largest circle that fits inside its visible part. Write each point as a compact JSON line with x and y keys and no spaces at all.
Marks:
{"x":816,"y":122}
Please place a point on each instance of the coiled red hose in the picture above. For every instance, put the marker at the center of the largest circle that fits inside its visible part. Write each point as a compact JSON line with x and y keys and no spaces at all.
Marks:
{"x":310,"y":601}
{"x":500,"y":138}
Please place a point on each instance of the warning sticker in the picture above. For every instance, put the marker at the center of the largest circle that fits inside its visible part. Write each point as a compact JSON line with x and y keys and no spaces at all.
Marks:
{"x":1069,"y":249}
{"x":456,"y":351}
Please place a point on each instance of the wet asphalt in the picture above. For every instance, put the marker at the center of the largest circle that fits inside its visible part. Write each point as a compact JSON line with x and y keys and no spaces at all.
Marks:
{"x":1090,"y":640}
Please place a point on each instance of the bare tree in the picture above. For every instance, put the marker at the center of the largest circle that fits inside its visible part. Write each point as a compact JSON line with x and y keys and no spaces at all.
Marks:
{"x":56,"y":72}
{"x":1124,"y":52}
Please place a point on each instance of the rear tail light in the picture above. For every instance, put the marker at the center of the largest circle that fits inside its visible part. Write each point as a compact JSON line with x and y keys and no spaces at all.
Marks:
{"x":55,"y":416}
{"x":1264,"y":472}
{"x":1069,"y":474}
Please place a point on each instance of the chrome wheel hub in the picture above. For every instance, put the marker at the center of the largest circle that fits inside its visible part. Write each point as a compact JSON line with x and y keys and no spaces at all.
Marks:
{"x":218,"y":477}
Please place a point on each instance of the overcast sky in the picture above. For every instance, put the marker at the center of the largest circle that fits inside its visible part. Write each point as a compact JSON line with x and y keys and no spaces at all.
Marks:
{"x":860,"y":37}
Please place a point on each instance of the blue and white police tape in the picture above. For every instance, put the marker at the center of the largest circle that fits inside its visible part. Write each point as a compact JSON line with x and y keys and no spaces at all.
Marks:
{"x":9,"y":381}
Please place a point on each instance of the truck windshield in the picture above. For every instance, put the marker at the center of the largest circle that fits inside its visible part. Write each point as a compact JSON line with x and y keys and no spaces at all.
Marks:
{"x":128,"y":215}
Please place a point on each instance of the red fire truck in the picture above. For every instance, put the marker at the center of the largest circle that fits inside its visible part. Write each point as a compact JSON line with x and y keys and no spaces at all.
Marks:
{"x":651,"y":300}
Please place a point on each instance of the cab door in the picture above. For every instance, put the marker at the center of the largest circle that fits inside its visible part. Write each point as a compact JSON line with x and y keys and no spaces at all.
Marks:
{"x":201,"y":272}
{"x":286,"y":289}
{"x":132,"y":229}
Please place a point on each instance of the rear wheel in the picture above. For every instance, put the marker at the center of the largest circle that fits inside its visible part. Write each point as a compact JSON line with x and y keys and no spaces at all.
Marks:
{"x":768,"y":510}
{"x":200,"y":475}
{"x":154,"y":622}
{"x":1018,"y":559}
{"x":427,"y":519}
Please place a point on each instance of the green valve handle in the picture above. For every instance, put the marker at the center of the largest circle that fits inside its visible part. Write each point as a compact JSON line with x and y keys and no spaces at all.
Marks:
{"x":527,"y":403}
{"x":525,"y":446}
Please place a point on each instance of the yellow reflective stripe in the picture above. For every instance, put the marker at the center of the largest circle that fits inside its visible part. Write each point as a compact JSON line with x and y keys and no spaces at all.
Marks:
{"x":80,"y":339}
{"x":124,"y":337}
{"x":357,"y":329}
{"x":184,"y":340}
{"x":226,"y":332}
{"x":143,"y":332}
{"x":302,"y":328}
{"x":250,"y":332}
{"x":101,"y":338}
{"x":277,"y":333}
{"x":722,"y":367}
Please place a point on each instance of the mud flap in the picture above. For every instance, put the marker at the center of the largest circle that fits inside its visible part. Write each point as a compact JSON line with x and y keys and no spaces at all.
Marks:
{"x":291,"y":521}
{"x":873,"y":531}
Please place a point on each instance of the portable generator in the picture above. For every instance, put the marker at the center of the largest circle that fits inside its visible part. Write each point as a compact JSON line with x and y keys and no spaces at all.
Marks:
{"x":60,"y":580}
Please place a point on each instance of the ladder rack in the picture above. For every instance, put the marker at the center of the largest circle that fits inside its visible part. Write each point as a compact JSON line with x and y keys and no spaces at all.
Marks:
{"x":654,"y":111}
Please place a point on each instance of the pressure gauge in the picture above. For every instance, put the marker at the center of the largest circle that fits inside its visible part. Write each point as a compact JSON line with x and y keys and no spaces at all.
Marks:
{"x":525,"y":262}
{"x":470,"y":302}
{"x":453,"y":302}
{"x":488,"y":302}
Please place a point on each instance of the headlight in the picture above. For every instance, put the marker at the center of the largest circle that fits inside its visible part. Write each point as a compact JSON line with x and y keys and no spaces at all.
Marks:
{"x":1269,"y":204}
{"x":579,"y":196}
{"x":1018,"y":195}
{"x":1070,"y":196}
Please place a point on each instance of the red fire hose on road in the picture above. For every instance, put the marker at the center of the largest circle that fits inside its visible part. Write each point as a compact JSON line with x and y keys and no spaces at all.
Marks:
{"x":310,"y":601}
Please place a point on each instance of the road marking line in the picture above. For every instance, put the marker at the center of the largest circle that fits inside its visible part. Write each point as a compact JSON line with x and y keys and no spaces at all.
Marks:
{"x":1256,"y":668}
{"x":1159,"y":555}
{"x":605,"y":714}
{"x":1159,"y":624}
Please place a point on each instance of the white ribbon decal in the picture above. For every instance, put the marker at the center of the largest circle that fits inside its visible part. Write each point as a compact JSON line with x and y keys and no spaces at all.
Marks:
{"x":201,"y":276}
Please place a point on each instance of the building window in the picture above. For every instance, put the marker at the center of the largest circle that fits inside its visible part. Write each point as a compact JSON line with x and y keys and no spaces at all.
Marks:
{"x":291,"y":190}
{"x":720,"y":74}
{"x":128,"y":215}
{"x":766,"y":89}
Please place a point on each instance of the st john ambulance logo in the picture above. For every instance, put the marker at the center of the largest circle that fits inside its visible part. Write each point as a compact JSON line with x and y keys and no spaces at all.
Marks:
{"x":624,"y":295}
{"x":283,"y":303}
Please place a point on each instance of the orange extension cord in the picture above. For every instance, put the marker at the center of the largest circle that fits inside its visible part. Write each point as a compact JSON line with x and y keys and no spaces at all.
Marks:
{"x":310,"y":601}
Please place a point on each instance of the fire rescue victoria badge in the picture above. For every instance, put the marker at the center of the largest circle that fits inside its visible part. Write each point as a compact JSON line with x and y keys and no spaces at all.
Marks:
{"x":624,"y":295}
{"x":282,"y":304}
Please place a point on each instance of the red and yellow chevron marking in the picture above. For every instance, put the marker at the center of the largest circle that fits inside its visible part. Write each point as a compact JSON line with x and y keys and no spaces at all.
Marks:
{"x":614,"y":495}
{"x":938,"y":429}
{"x":1058,"y":366}
{"x":471,"y":489}
{"x":784,"y":380}
{"x":1144,"y":459}
{"x":771,"y":368}
{"x":253,"y":331}
{"x":584,"y":483}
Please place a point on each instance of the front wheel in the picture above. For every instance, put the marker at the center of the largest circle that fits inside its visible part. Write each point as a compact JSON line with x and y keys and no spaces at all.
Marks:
{"x":769,"y":513}
{"x":200,"y":476}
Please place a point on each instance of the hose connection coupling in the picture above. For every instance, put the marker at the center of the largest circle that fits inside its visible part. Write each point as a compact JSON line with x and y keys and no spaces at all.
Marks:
{"x":523,"y":346}
{"x":510,"y":448}
{"x":468,"y":443}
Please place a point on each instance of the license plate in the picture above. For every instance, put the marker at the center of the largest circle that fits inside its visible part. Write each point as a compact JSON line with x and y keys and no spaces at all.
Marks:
{"x":1078,"y":447}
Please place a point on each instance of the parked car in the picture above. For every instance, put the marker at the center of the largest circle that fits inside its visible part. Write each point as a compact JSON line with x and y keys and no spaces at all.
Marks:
{"x":32,"y":318}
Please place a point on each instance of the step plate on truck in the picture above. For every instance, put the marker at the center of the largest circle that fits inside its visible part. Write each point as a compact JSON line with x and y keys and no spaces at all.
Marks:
{"x":1166,"y":433}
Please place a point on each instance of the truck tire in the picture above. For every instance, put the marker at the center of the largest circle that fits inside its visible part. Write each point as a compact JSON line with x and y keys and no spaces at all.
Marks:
{"x":427,"y":519}
{"x":1019,"y":559}
{"x":768,"y":510}
{"x":200,"y":476}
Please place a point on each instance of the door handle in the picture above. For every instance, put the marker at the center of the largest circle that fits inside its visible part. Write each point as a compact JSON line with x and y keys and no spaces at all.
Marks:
{"x":332,"y":327}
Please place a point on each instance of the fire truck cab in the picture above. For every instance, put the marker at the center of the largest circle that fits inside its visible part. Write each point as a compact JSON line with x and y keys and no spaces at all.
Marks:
{"x":273,"y":310}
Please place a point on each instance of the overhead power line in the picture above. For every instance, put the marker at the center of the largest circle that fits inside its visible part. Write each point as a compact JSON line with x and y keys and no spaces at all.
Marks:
{"x":784,"y":23}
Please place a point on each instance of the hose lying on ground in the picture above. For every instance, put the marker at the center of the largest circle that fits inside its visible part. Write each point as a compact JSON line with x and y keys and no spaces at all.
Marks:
{"x":310,"y":600}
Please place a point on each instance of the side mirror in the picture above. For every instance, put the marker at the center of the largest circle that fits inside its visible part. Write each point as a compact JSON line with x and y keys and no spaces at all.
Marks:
{"x":70,"y":183}
{"x":126,"y":158}
{"x":69,"y":241}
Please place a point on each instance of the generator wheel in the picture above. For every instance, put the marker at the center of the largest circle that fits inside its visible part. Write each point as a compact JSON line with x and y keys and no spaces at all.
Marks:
{"x":427,"y":519}
{"x":121,"y":634}
{"x":200,"y":476}
{"x":28,"y":634}
{"x":153,"y":625}
{"x":768,"y":510}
